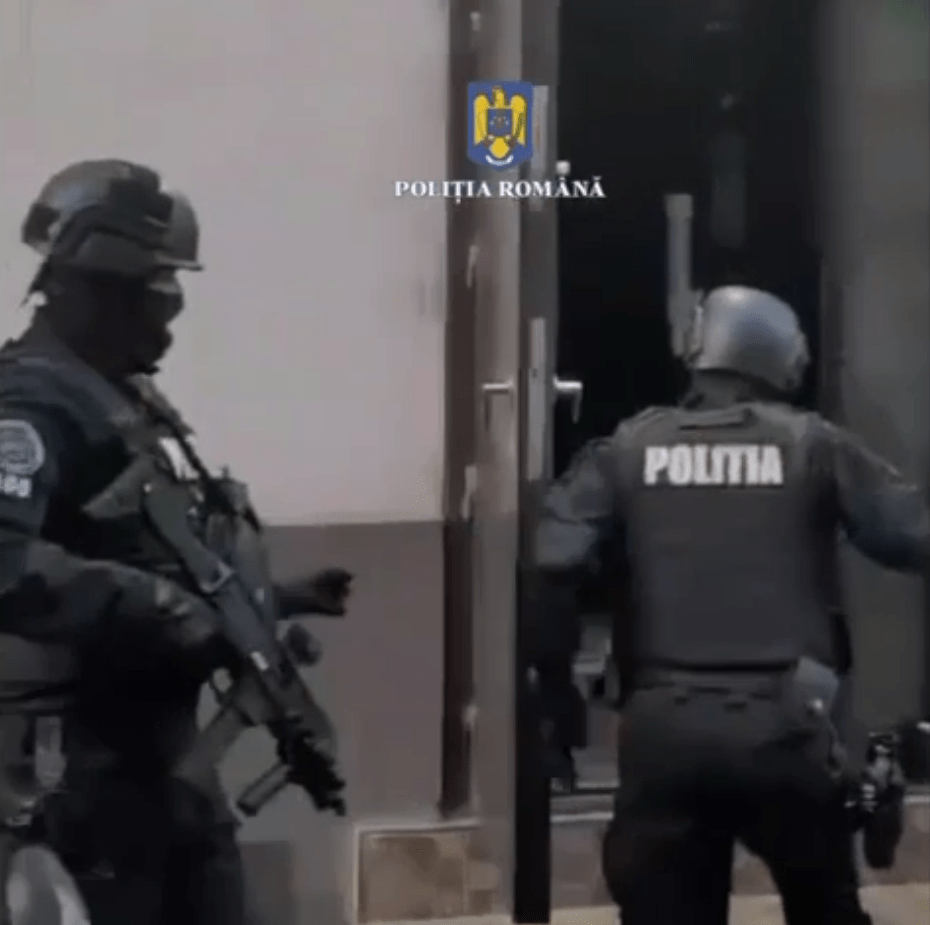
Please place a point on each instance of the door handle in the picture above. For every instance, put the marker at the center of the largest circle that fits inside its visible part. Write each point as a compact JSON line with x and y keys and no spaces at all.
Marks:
{"x":490,"y":389}
{"x":571,"y":389}
{"x":506,"y":388}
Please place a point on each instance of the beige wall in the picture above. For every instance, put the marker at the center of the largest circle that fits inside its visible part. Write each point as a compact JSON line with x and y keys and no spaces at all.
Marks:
{"x":311,"y":359}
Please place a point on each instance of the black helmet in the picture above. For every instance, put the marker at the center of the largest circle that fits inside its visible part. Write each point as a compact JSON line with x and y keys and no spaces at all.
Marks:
{"x":753,"y":333}
{"x":112,"y":216}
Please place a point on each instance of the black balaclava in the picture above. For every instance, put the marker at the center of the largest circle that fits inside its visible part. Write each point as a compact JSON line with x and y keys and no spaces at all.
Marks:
{"x":119,"y":326}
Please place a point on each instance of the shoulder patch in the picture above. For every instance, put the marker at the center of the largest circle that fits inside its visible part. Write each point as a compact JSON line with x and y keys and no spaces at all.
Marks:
{"x":22,"y":452}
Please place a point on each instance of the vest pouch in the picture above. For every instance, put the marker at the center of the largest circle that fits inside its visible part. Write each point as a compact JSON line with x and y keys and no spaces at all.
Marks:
{"x":810,"y":694}
{"x":122,"y":499}
{"x":811,"y":691}
{"x":118,"y":527}
{"x":36,"y":678}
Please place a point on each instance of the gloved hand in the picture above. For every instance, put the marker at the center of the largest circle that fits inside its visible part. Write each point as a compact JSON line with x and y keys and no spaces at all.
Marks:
{"x":326,"y":592}
{"x":562,"y":716}
{"x":559,"y":764}
{"x":186,"y":620}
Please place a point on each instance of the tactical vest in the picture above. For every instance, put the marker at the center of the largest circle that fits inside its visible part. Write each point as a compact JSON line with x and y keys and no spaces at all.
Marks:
{"x":115,"y":428}
{"x":118,"y":427}
{"x":730,"y":539}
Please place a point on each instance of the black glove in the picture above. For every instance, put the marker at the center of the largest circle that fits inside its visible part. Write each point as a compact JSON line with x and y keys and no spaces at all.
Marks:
{"x":183,"y":618}
{"x":562,"y":715}
{"x":326,"y":592}
{"x":559,"y":764}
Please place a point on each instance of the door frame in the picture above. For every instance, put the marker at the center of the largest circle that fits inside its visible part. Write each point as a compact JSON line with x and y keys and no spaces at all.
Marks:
{"x":532,"y":889}
{"x":538,"y":302}
{"x":539,"y":299}
{"x":460,"y":447}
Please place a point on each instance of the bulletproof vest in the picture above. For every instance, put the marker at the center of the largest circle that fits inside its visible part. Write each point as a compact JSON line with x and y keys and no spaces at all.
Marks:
{"x":115,"y":427}
{"x":731,"y":546}
{"x":119,"y":425}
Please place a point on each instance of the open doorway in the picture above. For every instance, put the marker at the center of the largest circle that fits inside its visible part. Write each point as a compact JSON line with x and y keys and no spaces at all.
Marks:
{"x":641,"y":96}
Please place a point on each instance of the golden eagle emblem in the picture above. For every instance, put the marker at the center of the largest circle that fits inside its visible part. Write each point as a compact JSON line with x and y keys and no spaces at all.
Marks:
{"x":500,"y":131}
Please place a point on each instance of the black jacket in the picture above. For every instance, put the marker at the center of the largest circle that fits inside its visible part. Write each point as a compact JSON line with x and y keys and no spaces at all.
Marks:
{"x":65,"y":435}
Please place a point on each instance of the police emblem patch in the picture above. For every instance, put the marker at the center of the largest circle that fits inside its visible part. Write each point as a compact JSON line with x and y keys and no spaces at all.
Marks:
{"x":22,"y":451}
{"x":22,"y":455}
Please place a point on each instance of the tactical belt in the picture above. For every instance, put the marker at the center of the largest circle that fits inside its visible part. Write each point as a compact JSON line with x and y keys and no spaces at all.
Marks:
{"x":763,"y":684}
{"x":807,"y":682}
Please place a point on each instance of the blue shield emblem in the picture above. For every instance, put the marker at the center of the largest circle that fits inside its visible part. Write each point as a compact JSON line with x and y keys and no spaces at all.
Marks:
{"x":500,"y":119}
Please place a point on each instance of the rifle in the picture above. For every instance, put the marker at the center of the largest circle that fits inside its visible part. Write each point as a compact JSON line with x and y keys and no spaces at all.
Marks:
{"x":267,"y":689}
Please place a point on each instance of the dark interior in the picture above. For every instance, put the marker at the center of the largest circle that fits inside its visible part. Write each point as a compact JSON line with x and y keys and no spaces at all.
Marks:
{"x":645,"y":88}
{"x":640,"y":97}
{"x":645,"y":85}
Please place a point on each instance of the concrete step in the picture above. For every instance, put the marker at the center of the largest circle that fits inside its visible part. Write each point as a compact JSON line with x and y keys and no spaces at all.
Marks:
{"x":889,"y":905}
{"x":441,"y":870}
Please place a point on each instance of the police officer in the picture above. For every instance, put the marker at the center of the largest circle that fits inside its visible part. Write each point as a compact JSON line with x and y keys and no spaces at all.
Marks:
{"x":728,"y":508}
{"x":77,"y":404}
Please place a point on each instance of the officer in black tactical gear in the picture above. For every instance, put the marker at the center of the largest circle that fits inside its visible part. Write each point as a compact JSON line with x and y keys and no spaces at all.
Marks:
{"x":77,"y":405}
{"x":728,"y":509}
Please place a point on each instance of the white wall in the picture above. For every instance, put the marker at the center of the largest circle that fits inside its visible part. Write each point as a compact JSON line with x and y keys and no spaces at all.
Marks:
{"x":311,"y":356}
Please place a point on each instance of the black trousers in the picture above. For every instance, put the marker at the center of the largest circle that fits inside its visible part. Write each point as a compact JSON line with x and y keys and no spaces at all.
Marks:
{"x":149,"y":852}
{"x":701,"y":771}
